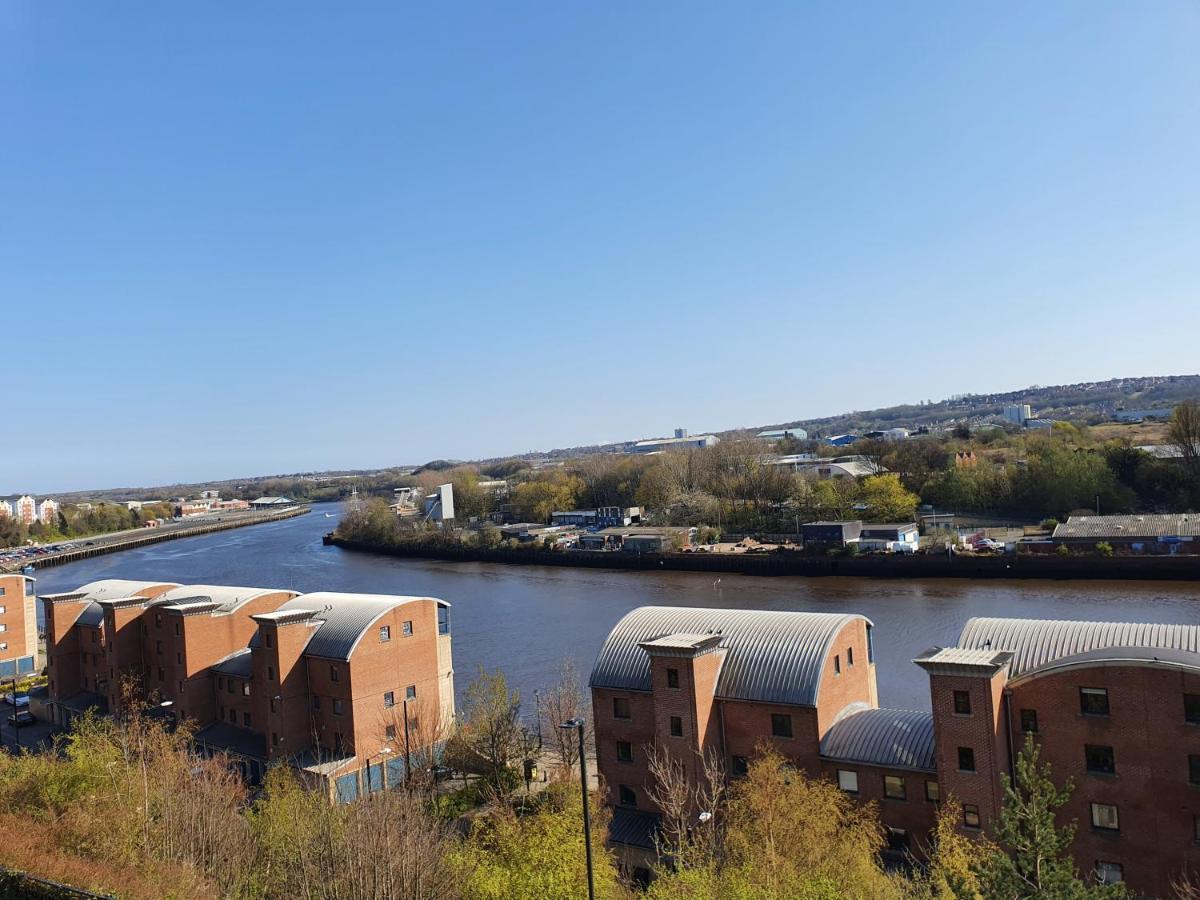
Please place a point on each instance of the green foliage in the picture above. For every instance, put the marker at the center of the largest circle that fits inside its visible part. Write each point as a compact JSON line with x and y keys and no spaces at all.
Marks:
{"x":1104,"y":548}
{"x":534,"y":501}
{"x":1062,"y":550}
{"x":887,"y":500}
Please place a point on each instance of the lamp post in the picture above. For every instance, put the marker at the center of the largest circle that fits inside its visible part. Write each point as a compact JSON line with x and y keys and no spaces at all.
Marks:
{"x":577,"y":724}
{"x":383,"y":751}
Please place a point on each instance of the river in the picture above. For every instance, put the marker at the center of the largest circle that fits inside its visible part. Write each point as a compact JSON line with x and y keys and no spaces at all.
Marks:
{"x":527,"y":619}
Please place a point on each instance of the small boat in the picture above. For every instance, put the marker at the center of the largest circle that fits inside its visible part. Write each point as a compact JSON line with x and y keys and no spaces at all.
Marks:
{"x":329,"y":515}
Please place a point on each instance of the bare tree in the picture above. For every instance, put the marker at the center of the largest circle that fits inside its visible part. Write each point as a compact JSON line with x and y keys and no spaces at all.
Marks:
{"x":691,"y":804}
{"x":1184,"y":432}
{"x":563,"y":701}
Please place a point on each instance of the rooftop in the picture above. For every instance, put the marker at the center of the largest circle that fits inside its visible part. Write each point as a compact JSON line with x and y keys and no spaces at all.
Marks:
{"x":1134,"y":526}
{"x":342,"y":619}
{"x":963,"y":661}
{"x":226,"y":599}
{"x":893,"y":738}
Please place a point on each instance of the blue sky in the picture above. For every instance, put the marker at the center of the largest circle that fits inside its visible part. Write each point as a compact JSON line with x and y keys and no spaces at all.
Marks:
{"x":243,"y":239}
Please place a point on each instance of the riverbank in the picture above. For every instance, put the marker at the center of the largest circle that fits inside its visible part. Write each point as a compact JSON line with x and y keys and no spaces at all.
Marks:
{"x":1009,"y":565}
{"x":102,"y":544}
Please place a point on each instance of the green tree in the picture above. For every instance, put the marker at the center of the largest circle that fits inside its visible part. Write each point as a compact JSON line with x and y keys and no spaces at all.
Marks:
{"x":488,"y":731}
{"x":534,"y":501}
{"x":887,"y":500}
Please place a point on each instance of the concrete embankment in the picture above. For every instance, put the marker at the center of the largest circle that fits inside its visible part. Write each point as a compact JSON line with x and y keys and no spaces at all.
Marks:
{"x":102,"y":544}
{"x":1165,"y":568}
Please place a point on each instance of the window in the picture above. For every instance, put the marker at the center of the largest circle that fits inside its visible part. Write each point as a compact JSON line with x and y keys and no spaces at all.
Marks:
{"x":406,"y":628}
{"x":95,"y":634}
{"x":274,"y":704}
{"x":389,"y":699}
{"x":334,"y":674}
{"x":275,"y":738}
{"x":672,"y":678}
{"x":246,"y":719}
{"x":220,"y":684}
{"x":3,"y":645}
{"x":385,"y":633}
{"x":337,"y":707}
{"x":966,"y":759}
{"x":179,"y":658}
{"x":231,"y":686}
{"x":1104,"y":817}
{"x":627,"y":796}
{"x":181,"y":687}
{"x":178,"y":629}
{"x":269,"y":640}
{"x":1029,"y":721}
{"x":676,"y":726}
{"x":624,"y":751}
{"x":1193,"y":768}
{"x":233,"y":716}
{"x":962,"y":703}
{"x":1093,"y":701}
{"x":621,"y":708}
{"x":158,"y":647}
{"x":870,"y":645}
{"x":848,"y":780}
{"x":390,"y":732}
{"x":1191,"y":709}
{"x":781,"y":725}
{"x":837,"y":664}
{"x":849,"y":656}
{"x":270,"y":673}
{"x":410,"y":692}
{"x":739,"y":766}
{"x":158,"y":620}
{"x":316,"y":702}
{"x":1099,"y":759}
{"x":893,"y":787}
{"x":1109,"y":872}
{"x":970,"y":815}
{"x":161,"y":676}
{"x":245,"y":689}
{"x":933,"y":792}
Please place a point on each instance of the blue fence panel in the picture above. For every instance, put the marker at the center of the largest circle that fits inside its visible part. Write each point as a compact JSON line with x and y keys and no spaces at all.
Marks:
{"x":25,"y":665}
{"x":347,"y":787}
{"x":374,"y":778}
{"x":395,"y":771}
{"x":8,"y":668}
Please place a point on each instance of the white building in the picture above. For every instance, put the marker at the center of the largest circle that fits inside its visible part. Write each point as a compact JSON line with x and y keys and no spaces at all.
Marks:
{"x":657,"y":445}
{"x":1017,"y":413}
{"x":48,"y":512}
{"x":779,"y":434}
{"x":26,"y":510}
{"x":5,"y":508}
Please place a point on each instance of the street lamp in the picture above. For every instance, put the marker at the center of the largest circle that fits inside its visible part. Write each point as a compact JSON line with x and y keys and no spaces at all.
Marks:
{"x":577,"y":724}
{"x":383,"y":751}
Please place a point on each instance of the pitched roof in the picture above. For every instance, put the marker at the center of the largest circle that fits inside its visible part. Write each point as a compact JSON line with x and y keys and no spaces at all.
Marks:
{"x":1037,"y":642}
{"x":895,"y":738}
{"x":1125,"y":527}
{"x":771,"y":656}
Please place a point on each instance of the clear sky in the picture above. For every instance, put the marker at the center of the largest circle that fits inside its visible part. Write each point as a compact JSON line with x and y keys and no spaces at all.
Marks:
{"x":241,"y":239}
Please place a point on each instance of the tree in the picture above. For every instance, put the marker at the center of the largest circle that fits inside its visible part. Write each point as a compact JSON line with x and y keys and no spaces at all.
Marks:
{"x":1038,"y":862}
{"x":887,"y":500}
{"x":488,"y":734}
{"x":563,"y":701}
{"x":534,"y":501}
{"x":1184,"y":432}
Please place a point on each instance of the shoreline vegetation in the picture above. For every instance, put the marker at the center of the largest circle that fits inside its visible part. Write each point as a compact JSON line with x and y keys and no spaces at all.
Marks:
{"x":783,"y":563}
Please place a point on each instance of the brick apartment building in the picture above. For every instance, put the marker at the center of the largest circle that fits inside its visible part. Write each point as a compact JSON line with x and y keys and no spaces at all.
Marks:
{"x":18,"y":626}
{"x":1114,"y":707}
{"x":350,"y":689}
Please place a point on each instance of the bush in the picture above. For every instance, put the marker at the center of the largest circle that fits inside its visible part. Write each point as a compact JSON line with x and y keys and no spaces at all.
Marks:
{"x":1049,"y":524}
{"x":1104,"y":548}
{"x":1063,"y":550}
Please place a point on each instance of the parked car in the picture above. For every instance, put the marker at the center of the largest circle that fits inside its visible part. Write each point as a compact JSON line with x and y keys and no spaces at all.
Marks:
{"x":989,"y":544}
{"x":21,"y":718}
{"x":20,"y":701}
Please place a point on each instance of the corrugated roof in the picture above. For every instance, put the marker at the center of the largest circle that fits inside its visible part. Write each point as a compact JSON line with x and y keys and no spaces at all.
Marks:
{"x":227,"y":598}
{"x":344,"y":618}
{"x":236,"y":663}
{"x":1145,"y":526}
{"x":93,"y":615}
{"x":896,"y":738}
{"x":771,"y":657}
{"x":118,"y":587}
{"x":633,"y":828}
{"x":1036,"y":642}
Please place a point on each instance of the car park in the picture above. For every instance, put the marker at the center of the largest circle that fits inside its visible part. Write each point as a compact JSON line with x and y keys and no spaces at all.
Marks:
{"x":21,"y":718}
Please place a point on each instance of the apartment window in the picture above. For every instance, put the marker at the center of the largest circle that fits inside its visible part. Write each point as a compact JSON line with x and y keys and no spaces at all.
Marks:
{"x":181,"y":687}
{"x":316,"y":702}
{"x":406,"y":628}
{"x":966,"y":759}
{"x":1029,"y":721}
{"x":389,"y":699}
{"x":1104,"y":817}
{"x":676,"y":726}
{"x":246,"y":719}
{"x":1191,"y":709}
{"x":245,"y":689}
{"x":739,"y":766}
{"x":1093,"y":701}
{"x":269,"y":640}
{"x":672,"y":678}
{"x":161,"y":676}
{"x":624,"y":751}
{"x":893,"y":787}
{"x":1109,"y":872}
{"x":1193,"y":768}
{"x":3,"y":645}
{"x":848,"y":780}
{"x":781,"y":725}
{"x":337,"y":707}
{"x":275,"y":738}
{"x":179,"y":658}
{"x":334,"y":674}
{"x":621,"y":708}
{"x":95,"y":634}
{"x":385,"y":632}
{"x":233,"y":716}
{"x":849,"y":656}
{"x":390,"y":732}
{"x":220,"y":684}
{"x":962,"y":703}
{"x":1099,"y":760}
{"x":157,"y":646}
{"x":158,"y":620}
{"x":274,"y":704}
{"x":410,"y":692}
{"x":970,"y":815}
{"x":837,"y":664}
{"x":627,"y":796}
{"x":270,"y":673}
{"x":230,"y":686}
{"x":178,"y":629}
{"x":933,"y":792}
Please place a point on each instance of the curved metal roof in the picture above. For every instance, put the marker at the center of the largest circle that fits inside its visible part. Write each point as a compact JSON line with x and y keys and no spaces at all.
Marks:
{"x":895,"y":738}
{"x":93,"y":615}
{"x":344,"y":618}
{"x":228,"y":599}
{"x":770,"y":656}
{"x":108,"y":588}
{"x":1036,"y":642}
{"x":236,"y":663}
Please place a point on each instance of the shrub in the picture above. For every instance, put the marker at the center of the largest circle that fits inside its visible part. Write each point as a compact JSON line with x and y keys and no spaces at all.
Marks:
{"x":1104,"y":548}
